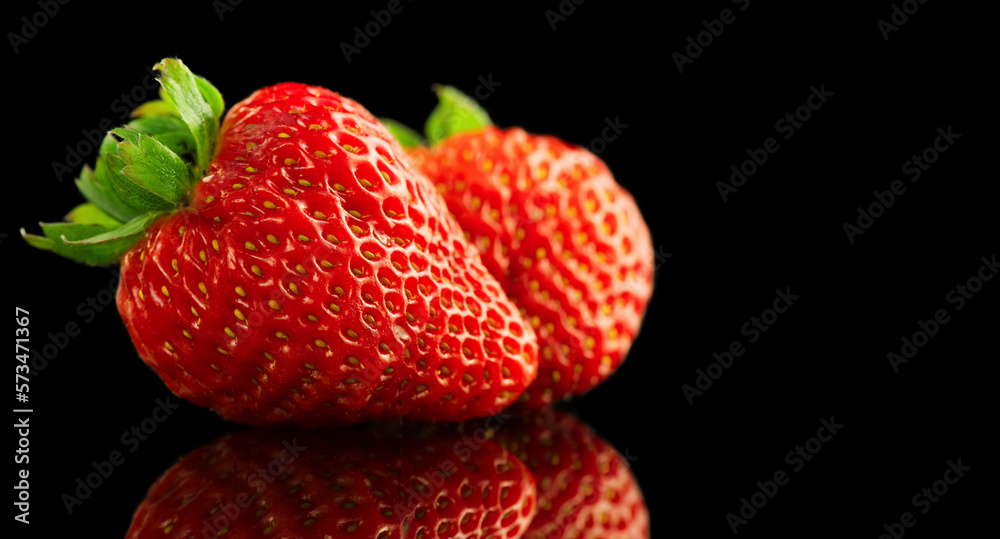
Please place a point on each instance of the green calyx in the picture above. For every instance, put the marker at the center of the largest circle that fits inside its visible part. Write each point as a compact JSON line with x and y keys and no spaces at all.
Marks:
{"x":454,"y":113}
{"x":144,"y":170}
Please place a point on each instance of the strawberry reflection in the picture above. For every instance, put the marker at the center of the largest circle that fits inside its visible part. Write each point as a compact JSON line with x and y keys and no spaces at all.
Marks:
{"x":338,"y":483}
{"x":585,"y":487}
{"x":537,"y":475}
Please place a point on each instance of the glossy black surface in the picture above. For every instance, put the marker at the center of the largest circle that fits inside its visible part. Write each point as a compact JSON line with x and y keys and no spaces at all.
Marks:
{"x":824,"y":360}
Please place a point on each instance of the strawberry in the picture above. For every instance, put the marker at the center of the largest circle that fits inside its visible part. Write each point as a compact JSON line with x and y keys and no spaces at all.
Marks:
{"x":291,"y":267}
{"x":338,"y":483}
{"x":566,"y":241}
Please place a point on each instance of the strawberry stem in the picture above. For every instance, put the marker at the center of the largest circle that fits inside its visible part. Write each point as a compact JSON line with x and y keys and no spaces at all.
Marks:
{"x":198,"y":104}
{"x":143,"y":170}
{"x":407,"y":138}
{"x":455,"y":113}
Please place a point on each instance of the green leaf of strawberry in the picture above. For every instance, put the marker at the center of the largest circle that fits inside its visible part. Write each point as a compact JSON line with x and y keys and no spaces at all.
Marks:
{"x":172,"y":132}
{"x":89,"y":213}
{"x":455,"y":113}
{"x":95,"y":244}
{"x":95,"y":186}
{"x":198,"y":104}
{"x":407,"y":137}
{"x":143,"y":170}
{"x":157,"y":108}
{"x":153,"y":166}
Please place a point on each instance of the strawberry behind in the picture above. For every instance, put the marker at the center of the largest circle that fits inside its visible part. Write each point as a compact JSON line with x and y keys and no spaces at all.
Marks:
{"x":565,"y":240}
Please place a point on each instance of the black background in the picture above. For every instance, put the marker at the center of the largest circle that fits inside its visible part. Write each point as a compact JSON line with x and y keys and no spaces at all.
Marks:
{"x":721,"y":260}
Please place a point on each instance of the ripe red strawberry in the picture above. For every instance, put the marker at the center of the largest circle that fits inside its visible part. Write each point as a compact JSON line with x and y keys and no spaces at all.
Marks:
{"x":338,"y":483}
{"x":297,"y":270}
{"x":565,"y":240}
